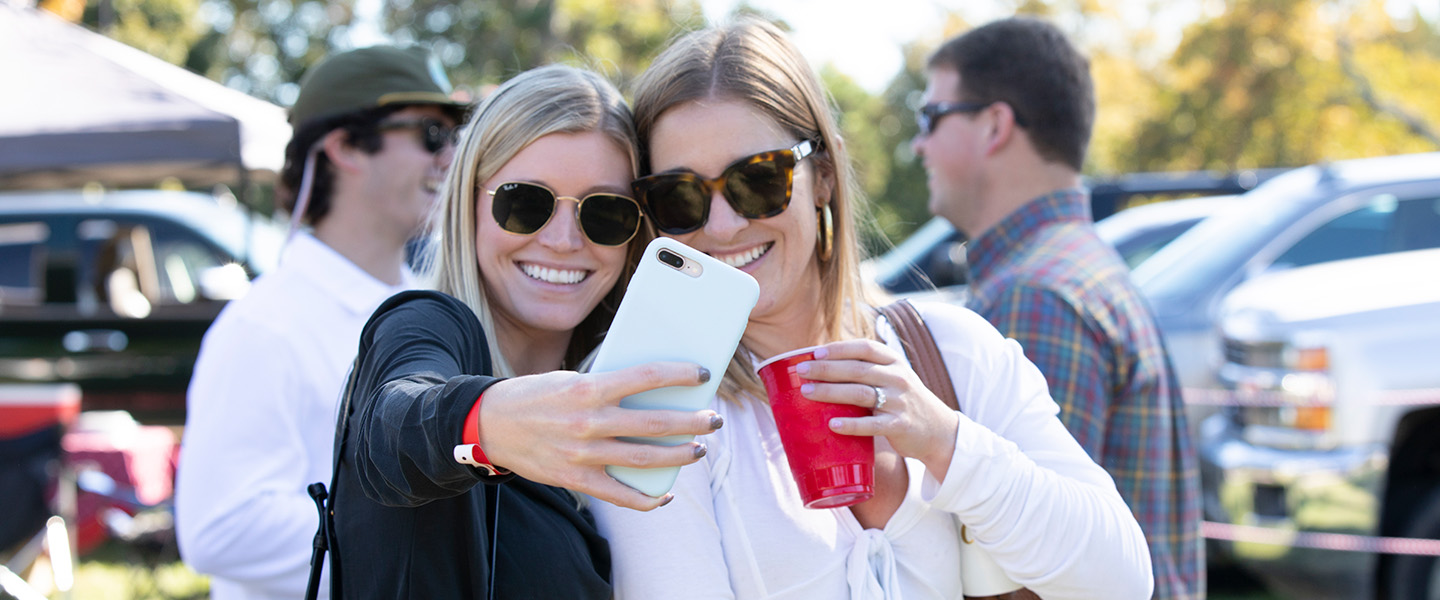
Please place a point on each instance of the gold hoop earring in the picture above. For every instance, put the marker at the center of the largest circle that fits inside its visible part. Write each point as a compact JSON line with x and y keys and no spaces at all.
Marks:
{"x":825,"y":241}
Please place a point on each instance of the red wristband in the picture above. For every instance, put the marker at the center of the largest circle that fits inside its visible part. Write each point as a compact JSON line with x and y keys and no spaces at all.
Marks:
{"x":468,"y":451}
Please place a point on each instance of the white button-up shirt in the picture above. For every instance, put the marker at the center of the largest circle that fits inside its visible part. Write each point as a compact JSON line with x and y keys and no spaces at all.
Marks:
{"x":260,"y":423}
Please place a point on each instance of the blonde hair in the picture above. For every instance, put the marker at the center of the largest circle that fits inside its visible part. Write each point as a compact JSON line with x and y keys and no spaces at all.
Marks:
{"x":752,"y":61}
{"x":533,"y":104}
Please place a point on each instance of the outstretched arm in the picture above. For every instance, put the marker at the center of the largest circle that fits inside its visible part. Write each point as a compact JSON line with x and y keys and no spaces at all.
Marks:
{"x":424,"y":364}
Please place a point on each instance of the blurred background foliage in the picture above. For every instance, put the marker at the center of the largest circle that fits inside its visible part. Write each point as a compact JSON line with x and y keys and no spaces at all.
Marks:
{"x":1250,"y":83}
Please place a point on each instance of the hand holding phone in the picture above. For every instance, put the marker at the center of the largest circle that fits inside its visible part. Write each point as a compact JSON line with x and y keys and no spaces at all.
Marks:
{"x":681,"y":305}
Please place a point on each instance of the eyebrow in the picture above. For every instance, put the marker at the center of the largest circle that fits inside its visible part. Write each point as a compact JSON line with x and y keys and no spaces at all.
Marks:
{"x":594,"y":189}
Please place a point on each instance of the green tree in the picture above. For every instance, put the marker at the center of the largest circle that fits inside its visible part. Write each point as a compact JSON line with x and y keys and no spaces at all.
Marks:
{"x":1285,"y":82}
{"x":164,"y":28}
{"x":864,"y":119}
{"x":262,"y":47}
{"x":485,"y":42}
{"x":902,"y":198}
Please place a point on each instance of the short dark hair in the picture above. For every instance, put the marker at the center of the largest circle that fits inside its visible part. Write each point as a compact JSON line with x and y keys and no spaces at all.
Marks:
{"x":361,"y":131}
{"x":1030,"y":65}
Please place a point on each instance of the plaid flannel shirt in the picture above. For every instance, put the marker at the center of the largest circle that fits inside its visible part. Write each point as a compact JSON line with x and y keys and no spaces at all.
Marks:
{"x":1043,"y":277}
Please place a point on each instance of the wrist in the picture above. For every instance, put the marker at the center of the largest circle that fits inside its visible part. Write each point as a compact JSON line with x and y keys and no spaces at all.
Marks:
{"x":468,"y":451}
{"x":942,"y":452}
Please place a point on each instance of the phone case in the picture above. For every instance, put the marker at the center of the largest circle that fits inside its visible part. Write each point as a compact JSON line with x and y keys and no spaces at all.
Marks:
{"x":692,"y":311}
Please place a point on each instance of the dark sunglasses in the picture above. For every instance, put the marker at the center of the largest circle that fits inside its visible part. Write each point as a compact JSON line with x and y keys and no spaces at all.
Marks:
{"x":434,"y":135}
{"x":756,"y":186}
{"x":928,"y":117}
{"x":525,"y":208}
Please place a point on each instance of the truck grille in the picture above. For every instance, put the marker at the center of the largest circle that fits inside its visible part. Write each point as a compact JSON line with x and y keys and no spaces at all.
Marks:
{"x":1255,"y":354}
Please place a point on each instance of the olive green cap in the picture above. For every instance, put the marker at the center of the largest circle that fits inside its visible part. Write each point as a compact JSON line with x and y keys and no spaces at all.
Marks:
{"x":369,"y":77}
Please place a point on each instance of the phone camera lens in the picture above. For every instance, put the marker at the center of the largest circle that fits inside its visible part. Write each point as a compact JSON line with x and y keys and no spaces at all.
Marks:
{"x":671,"y":258}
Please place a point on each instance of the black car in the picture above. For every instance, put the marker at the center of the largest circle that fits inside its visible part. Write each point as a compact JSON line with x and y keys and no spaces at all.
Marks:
{"x":113,"y":290}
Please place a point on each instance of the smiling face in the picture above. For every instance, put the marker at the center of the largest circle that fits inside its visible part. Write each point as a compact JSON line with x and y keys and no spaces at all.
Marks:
{"x":403,"y":177}
{"x":953,"y":155}
{"x":706,"y":136}
{"x":549,"y":281}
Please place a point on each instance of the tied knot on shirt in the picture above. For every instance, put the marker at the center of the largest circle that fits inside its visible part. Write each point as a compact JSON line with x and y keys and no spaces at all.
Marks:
{"x":870,"y":568}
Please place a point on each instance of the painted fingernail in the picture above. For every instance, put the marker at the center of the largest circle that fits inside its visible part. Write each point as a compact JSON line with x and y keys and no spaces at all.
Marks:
{"x":802,"y":368}
{"x":667,"y":499}
{"x":716,"y":422}
{"x":704,"y":375}
{"x":807,"y":388}
{"x":821,"y":353}
{"x":700,"y":450}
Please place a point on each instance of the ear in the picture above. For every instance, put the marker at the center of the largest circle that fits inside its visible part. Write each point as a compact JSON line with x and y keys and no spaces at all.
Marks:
{"x":1002,"y":127}
{"x":343,"y":155}
{"x":825,"y":179}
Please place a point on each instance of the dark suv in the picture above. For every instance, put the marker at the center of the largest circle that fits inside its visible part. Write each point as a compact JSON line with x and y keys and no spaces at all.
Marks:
{"x":114,"y":290}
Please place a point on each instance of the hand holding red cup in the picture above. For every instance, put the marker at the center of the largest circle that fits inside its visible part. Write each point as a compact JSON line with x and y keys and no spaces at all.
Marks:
{"x":831,"y":469}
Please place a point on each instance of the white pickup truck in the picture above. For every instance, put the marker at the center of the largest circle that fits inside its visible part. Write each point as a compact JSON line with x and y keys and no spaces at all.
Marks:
{"x":1325,"y":463}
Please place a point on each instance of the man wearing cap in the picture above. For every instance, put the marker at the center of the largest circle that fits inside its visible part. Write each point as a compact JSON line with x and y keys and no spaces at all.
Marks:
{"x":372,"y":141}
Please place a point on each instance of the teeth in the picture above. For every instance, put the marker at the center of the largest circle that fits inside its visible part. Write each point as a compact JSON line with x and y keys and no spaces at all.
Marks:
{"x":741,"y":259}
{"x":549,"y":275}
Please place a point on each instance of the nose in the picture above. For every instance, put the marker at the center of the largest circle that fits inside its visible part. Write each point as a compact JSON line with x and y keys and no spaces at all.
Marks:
{"x":724,"y":222}
{"x":445,"y":156}
{"x":917,"y":144}
{"x":562,"y":233}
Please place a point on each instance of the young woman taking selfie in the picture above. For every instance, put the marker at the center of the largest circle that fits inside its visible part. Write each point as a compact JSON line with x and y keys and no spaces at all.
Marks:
{"x":744,"y":161}
{"x":461,"y":434}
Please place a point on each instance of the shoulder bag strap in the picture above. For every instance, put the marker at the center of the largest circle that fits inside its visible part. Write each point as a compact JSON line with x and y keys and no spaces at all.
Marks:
{"x":920,"y":349}
{"x":925,"y":358}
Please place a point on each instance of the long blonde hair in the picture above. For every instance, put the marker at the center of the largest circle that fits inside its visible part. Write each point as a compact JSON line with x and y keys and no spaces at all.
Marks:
{"x":752,"y":61}
{"x":533,"y":104}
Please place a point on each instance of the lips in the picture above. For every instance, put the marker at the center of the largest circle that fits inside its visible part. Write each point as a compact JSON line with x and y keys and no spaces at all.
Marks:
{"x":549,"y":275}
{"x":744,"y":257}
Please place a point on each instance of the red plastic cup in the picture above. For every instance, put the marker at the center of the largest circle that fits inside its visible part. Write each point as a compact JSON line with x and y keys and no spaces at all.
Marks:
{"x":831,"y":470}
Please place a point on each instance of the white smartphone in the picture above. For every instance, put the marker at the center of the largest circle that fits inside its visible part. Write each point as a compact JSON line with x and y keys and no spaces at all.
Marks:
{"x":681,"y":305}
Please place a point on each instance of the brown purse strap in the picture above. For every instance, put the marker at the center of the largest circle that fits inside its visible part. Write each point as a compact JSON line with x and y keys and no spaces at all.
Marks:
{"x":920,"y":349}
{"x":925,"y":358}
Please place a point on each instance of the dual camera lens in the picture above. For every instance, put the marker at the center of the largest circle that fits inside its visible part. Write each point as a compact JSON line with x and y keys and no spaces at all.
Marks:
{"x":671,"y":258}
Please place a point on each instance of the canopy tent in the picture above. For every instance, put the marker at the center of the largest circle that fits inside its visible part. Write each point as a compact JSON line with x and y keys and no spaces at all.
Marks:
{"x":77,"y":107}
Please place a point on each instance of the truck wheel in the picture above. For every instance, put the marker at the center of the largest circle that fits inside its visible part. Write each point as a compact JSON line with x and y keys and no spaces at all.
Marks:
{"x":1415,"y":577}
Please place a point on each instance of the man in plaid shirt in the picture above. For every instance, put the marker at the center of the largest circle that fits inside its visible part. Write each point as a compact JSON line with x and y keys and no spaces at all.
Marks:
{"x":1008,"y":113}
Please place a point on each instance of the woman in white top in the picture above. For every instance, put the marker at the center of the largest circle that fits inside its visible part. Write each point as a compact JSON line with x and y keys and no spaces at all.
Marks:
{"x":1003,"y":465}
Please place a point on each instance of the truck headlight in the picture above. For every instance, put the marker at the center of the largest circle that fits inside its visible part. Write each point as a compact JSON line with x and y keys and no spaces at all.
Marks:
{"x":1285,"y":394}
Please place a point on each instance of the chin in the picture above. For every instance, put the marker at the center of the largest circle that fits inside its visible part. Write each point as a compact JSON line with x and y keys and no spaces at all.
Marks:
{"x":556,"y":323}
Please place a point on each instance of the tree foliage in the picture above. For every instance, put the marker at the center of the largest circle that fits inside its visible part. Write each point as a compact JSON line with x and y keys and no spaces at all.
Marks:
{"x":1249,"y":83}
{"x":485,"y":42}
{"x":1266,"y":84}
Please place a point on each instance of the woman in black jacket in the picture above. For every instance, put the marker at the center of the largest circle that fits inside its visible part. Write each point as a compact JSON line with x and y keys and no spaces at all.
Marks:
{"x":440,"y":495}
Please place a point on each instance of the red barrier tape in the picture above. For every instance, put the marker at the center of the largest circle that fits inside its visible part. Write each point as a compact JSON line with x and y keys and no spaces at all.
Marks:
{"x":1323,"y":541}
{"x":1218,"y":397}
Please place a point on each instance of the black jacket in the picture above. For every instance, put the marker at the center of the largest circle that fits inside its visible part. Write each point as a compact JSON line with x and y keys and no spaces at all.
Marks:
{"x":411,"y":522}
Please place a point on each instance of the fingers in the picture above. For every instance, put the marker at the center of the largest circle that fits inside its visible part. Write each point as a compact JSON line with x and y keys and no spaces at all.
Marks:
{"x":875,"y":426}
{"x":623,"y":422}
{"x":649,"y":376}
{"x":603,"y":487}
{"x":855,"y":394}
{"x":860,"y":349}
{"x":843,"y":371}
{"x":636,"y":455}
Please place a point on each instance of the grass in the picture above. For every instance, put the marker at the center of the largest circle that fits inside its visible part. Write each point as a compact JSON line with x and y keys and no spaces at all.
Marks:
{"x":119,"y":572}
{"x":115,"y":571}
